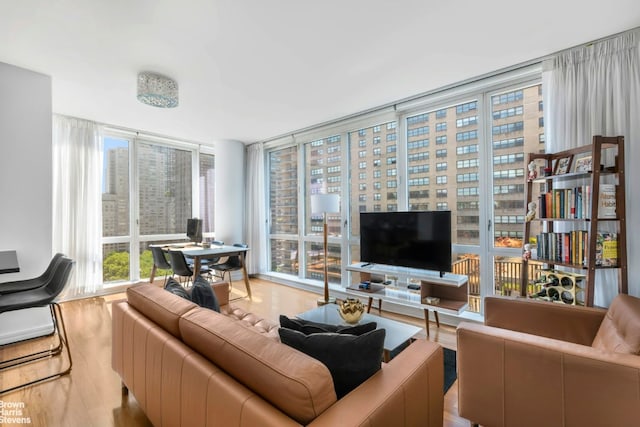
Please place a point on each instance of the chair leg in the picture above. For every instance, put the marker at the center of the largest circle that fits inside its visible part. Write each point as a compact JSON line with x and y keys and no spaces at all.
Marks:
{"x":32,"y":357}
{"x":64,"y":342}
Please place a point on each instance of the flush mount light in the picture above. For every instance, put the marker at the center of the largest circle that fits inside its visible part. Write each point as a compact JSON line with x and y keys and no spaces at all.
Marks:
{"x":157,"y":90}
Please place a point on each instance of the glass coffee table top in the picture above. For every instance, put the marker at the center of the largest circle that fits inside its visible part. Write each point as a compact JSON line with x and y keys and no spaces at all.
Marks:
{"x":397,"y":333}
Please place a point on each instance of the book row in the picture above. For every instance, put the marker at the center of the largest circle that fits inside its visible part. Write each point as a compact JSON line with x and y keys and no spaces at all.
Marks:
{"x":567,"y":203}
{"x":572,"y":247}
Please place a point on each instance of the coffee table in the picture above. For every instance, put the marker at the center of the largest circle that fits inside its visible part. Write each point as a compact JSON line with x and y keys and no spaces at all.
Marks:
{"x":397,"y":333}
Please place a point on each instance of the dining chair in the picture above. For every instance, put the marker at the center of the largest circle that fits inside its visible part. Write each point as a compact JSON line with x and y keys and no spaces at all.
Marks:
{"x":36,"y":282}
{"x":232,"y":263}
{"x":160,"y":261}
{"x":182,"y":269}
{"x":41,"y":297}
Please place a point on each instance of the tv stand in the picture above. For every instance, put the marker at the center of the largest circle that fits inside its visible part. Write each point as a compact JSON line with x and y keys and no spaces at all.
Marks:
{"x":437,"y":291}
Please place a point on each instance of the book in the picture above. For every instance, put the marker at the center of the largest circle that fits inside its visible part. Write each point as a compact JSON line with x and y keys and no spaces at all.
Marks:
{"x":606,"y":249}
{"x":607,"y":201}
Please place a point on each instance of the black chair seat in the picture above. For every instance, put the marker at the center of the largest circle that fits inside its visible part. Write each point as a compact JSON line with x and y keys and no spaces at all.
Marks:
{"x":36,"y":282}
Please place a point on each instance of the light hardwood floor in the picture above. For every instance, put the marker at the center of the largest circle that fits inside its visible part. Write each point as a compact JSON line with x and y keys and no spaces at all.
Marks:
{"x":91,"y":395}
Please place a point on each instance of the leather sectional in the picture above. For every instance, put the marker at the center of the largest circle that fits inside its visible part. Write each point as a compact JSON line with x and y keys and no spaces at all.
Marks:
{"x":191,"y":366}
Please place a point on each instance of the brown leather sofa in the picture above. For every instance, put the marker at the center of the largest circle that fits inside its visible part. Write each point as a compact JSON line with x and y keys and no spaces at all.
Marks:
{"x":537,"y":363}
{"x":190,"y":366}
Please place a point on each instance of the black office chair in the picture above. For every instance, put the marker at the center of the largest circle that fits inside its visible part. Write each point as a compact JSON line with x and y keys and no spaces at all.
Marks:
{"x":36,"y":282}
{"x":160,"y":261}
{"x":182,"y":269}
{"x":232,"y":263}
{"x":40,"y":297}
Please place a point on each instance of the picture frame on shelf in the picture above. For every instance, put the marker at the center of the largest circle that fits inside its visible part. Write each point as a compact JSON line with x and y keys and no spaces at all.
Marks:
{"x":563,"y":165}
{"x":583,"y":164}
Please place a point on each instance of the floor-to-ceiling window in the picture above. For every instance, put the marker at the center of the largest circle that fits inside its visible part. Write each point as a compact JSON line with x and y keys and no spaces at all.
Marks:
{"x":283,"y":210}
{"x":517,"y":128}
{"x":466,"y":154}
{"x":149,"y":192}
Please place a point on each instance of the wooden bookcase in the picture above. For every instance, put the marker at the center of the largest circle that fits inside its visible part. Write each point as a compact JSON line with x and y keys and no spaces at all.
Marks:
{"x":591,"y":174}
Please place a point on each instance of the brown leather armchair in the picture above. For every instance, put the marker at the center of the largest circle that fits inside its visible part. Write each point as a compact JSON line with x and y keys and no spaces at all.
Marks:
{"x":536,"y":363}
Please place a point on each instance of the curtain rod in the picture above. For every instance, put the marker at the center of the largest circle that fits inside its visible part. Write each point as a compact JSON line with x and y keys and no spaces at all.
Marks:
{"x":441,"y":89}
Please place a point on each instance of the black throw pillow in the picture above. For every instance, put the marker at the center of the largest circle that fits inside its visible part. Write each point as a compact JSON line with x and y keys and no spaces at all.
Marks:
{"x":351,"y":359}
{"x":176,"y":288}
{"x":308,"y":327}
{"x":203,"y":295}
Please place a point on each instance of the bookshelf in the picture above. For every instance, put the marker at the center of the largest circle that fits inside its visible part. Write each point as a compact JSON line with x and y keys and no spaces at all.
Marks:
{"x":582,"y":198}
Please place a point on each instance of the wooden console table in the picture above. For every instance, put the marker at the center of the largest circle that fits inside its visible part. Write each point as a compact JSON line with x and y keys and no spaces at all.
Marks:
{"x":451,"y":290}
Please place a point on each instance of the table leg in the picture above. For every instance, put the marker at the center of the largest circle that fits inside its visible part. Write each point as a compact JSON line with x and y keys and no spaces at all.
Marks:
{"x":426,"y":320}
{"x":369,"y":304}
{"x":435,"y":313}
{"x":379,"y":305}
{"x":153,"y":274}
{"x":245,"y":275}
{"x":196,"y":267}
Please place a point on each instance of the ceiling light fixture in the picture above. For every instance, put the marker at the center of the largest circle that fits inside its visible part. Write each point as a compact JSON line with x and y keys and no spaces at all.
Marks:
{"x":157,"y":90}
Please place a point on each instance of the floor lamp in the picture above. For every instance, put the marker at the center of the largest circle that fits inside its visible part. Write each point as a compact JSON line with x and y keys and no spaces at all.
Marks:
{"x":324,"y":204}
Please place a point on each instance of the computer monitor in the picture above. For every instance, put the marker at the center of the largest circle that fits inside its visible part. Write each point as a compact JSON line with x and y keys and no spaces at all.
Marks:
{"x":194,"y":229}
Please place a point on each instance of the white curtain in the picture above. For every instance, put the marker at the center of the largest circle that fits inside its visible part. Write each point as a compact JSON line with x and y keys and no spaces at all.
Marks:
{"x":77,"y":206}
{"x":255,"y":221}
{"x":595,"y":90}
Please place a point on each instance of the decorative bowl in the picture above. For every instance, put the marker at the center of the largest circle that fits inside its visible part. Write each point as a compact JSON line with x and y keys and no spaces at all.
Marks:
{"x":351,"y":310}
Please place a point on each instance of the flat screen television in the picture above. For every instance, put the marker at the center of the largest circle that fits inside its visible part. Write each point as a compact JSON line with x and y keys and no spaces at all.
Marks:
{"x":417,"y":239}
{"x":194,"y":230}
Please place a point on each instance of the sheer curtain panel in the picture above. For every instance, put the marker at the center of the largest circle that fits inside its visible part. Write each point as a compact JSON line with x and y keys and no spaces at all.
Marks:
{"x":77,"y":206}
{"x":595,"y":90}
{"x":255,"y":215}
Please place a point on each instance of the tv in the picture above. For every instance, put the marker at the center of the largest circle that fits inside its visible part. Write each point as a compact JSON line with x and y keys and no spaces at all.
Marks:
{"x":416,"y":239}
{"x":194,"y":230}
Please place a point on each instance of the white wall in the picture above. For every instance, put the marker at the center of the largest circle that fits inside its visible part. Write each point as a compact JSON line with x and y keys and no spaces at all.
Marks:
{"x":25,"y":169}
{"x":230,"y":191}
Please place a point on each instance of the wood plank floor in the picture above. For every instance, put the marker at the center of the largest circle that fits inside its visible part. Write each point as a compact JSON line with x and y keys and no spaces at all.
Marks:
{"x":91,"y":395}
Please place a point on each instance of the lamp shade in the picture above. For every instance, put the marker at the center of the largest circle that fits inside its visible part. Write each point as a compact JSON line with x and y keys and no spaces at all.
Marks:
{"x":157,"y":90}
{"x":325,"y":203}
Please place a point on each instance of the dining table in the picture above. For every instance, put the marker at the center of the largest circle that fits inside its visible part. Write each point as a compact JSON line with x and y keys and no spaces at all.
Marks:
{"x":197,"y":252}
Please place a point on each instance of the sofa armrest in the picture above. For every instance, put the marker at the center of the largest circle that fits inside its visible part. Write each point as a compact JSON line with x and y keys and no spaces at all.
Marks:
{"x":513,"y":378}
{"x":406,"y":391}
{"x":221,"y":290}
{"x":559,"y":321}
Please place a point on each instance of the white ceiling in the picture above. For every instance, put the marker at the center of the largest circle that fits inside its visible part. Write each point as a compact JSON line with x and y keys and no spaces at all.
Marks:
{"x":253,"y":69}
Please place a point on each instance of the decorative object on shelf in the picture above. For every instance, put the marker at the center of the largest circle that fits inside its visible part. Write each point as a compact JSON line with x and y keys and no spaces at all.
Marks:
{"x":157,"y":90}
{"x":526,"y":254}
{"x":563,"y":164}
{"x":431,"y":300}
{"x":583,"y":164}
{"x":324,"y":204}
{"x":351,"y":310}
{"x":533,"y":174}
{"x":531,"y":213}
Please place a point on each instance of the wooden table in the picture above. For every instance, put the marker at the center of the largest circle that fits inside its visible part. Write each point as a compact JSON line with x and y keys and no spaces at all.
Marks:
{"x":199,"y":253}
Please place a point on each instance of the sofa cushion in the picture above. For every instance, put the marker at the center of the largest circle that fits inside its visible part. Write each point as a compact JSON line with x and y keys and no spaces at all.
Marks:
{"x":162,"y":307}
{"x":177,"y":289}
{"x":252,"y":321}
{"x":620,"y":328}
{"x":351,"y":359}
{"x":203,"y":295}
{"x":295,"y":383}
{"x":308,"y":327}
